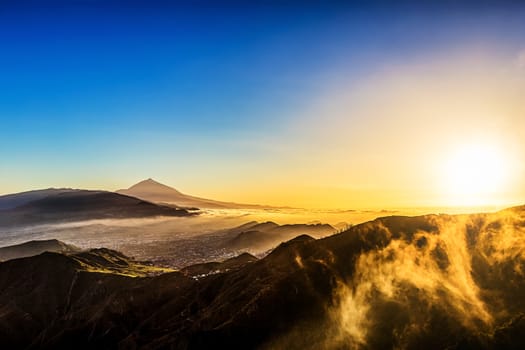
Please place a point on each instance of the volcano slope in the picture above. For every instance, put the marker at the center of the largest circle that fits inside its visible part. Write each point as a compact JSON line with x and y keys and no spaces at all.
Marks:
{"x":431,"y":282}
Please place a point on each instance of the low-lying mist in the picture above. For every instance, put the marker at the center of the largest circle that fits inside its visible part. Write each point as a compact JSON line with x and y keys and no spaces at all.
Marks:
{"x":179,"y":241}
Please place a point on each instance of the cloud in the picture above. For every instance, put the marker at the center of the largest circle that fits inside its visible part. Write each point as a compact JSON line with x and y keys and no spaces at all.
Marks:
{"x":410,"y":276}
{"x":434,"y":281}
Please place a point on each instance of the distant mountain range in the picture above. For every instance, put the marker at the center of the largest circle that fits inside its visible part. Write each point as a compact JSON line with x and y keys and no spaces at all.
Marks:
{"x":154,"y":191}
{"x":254,"y":236}
{"x":67,"y":205}
{"x":426,"y":282}
{"x":147,"y":198}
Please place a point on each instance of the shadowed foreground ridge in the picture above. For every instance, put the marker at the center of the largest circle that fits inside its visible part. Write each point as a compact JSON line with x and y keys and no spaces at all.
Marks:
{"x":428,"y":282}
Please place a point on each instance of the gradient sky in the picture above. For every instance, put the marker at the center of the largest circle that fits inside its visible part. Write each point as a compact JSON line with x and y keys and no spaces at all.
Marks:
{"x":332,"y":105}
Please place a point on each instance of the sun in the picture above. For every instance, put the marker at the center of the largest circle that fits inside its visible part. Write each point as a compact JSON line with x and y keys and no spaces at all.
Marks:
{"x":475,"y":174}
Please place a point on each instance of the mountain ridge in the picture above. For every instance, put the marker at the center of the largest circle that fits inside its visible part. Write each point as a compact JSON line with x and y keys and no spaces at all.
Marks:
{"x":80,"y":205}
{"x":431,"y":281}
{"x":13,"y":200}
{"x":155,"y":191}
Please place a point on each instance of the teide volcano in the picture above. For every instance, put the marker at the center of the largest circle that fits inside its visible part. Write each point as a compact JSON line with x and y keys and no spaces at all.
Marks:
{"x":428,"y":282}
{"x":154,"y":191}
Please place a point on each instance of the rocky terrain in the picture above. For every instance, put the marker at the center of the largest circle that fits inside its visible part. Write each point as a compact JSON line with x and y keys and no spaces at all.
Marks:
{"x":433,"y":282}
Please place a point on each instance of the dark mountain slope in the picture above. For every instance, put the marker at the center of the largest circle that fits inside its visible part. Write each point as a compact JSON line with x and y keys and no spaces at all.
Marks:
{"x":54,"y":296}
{"x":219,"y":267}
{"x":83,"y":205}
{"x":14,"y":200}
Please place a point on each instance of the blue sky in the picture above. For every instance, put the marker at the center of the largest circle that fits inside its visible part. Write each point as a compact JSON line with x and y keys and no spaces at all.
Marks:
{"x":100,"y":94}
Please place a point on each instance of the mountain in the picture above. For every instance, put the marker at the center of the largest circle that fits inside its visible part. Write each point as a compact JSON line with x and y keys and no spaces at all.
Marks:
{"x":77,"y":205}
{"x":253,"y":237}
{"x":426,"y":282}
{"x":34,"y":248}
{"x":154,"y":191}
{"x":14,"y":200}
{"x":263,"y":236}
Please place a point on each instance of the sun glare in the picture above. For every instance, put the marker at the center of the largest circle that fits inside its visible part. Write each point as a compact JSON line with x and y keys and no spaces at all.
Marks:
{"x":475,"y":174}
